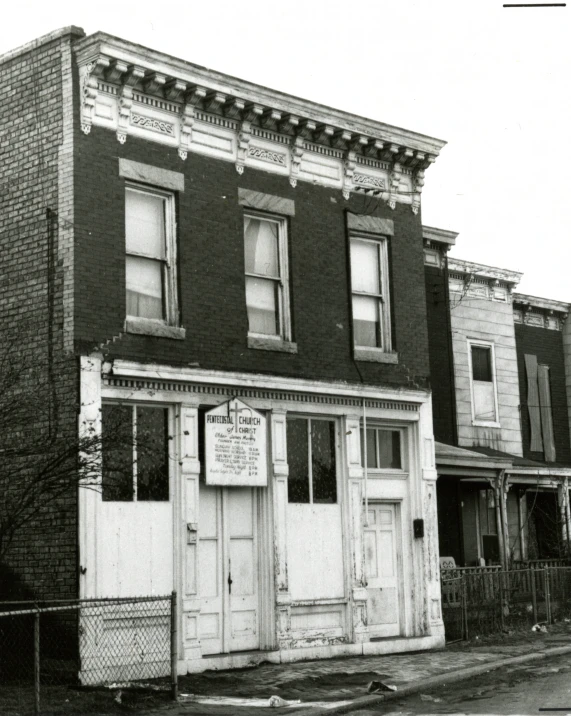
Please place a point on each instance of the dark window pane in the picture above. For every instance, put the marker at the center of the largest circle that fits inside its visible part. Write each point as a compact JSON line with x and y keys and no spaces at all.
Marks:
{"x":481,"y":363}
{"x":323,"y":461}
{"x":152,"y":454}
{"x":297,"y":457}
{"x":371,"y":448}
{"x":389,"y":449}
{"x":117,"y":453}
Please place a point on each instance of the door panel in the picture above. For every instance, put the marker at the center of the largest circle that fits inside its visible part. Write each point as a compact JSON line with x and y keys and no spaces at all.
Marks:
{"x":382,"y":555}
{"x":228,"y":560}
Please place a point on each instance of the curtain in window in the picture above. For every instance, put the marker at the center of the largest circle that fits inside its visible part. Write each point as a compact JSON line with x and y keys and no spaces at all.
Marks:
{"x":262,"y":260}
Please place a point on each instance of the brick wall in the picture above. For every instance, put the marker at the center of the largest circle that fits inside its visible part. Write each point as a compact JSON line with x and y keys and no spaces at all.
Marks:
{"x":211,"y":258}
{"x":547,"y":345}
{"x":439,"y":348}
{"x":34,"y":144}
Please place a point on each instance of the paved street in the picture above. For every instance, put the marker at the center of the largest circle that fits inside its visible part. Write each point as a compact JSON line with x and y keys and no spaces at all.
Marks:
{"x":521,"y":689}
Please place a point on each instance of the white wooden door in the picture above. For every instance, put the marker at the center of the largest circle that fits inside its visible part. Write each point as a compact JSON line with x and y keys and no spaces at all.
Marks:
{"x":228,"y":564}
{"x":382,"y":559}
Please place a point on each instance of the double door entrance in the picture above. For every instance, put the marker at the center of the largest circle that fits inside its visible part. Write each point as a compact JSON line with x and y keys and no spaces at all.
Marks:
{"x":229,"y":569}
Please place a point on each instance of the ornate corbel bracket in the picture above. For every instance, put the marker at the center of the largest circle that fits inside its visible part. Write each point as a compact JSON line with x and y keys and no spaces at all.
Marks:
{"x":93,"y":70}
{"x":187,"y":117}
{"x":297,"y":150}
{"x":348,"y":170}
{"x":418,"y":185}
{"x":133,"y":75}
{"x":394,"y":184}
{"x":244,"y":136}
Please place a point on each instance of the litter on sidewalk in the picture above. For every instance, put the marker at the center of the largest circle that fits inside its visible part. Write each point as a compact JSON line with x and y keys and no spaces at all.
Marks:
{"x":272,"y":702}
{"x":375,"y":687}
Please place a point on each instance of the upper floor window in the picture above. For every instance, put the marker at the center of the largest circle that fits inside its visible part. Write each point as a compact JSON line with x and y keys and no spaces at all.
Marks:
{"x":267,"y":290}
{"x":484,"y":402}
{"x":151,"y":258}
{"x":311,"y":456}
{"x":370,"y":293}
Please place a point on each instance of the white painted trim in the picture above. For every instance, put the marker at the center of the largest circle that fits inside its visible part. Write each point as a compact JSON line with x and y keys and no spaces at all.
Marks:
{"x":484,"y":344}
{"x":132,"y":369}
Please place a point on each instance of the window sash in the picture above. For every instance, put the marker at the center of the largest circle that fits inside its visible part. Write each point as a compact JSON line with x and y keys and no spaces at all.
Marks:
{"x":377,"y":334}
{"x":136,"y":468}
{"x":144,"y":259}
{"x":276,"y":323}
{"x":483,"y":383}
{"x":319,"y":487}
{"x":382,"y":443}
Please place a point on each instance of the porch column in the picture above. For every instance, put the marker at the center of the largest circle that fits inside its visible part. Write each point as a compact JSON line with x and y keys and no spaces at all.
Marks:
{"x":428,"y":512}
{"x":352,"y":433}
{"x":280,"y":471}
{"x":186,"y":528}
{"x":563,"y":502}
{"x":89,"y":424}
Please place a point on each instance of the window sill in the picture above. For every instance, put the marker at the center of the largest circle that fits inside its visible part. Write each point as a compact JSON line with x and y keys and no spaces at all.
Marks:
{"x":150,"y":327}
{"x":485,"y":424}
{"x":271,"y":344}
{"x":375,"y":355}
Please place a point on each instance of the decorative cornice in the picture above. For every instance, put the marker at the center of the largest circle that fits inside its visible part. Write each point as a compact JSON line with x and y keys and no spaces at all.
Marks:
{"x":469,"y":268}
{"x":440,"y":236}
{"x":542,"y":304}
{"x":115,"y":74}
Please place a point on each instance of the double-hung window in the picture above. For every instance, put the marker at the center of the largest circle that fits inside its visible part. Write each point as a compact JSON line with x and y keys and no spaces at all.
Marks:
{"x":135,"y":453}
{"x":370,"y":294}
{"x":267,"y":290}
{"x":311,"y":458}
{"x":484,"y":403}
{"x":151,"y":260}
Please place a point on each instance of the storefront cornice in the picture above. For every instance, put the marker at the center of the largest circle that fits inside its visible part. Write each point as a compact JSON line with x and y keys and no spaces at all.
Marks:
{"x":232,"y":379}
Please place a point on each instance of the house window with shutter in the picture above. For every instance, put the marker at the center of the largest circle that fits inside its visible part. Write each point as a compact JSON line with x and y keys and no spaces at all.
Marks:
{"x":539,"y":408}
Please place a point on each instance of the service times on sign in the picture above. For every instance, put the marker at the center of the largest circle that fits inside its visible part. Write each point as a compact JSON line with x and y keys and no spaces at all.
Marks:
{"x":235,"y":445}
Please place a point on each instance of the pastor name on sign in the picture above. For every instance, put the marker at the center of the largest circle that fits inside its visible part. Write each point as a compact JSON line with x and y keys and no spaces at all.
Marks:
{"x":235,"y":445}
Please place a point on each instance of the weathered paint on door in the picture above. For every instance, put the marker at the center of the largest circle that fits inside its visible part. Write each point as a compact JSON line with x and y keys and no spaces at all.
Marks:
{"x":228,"y":570}
{"x":382,"y":550}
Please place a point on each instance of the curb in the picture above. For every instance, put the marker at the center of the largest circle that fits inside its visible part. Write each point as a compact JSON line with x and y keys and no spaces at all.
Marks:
{"x":445,"y":678}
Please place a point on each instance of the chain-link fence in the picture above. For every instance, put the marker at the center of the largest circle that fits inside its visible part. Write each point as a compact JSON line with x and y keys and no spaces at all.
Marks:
{"x":479,"y":602}
{"x":48,"y":648}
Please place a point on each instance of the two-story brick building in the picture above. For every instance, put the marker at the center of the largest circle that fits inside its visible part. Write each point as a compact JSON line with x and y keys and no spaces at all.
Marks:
{"x":228,"y":255}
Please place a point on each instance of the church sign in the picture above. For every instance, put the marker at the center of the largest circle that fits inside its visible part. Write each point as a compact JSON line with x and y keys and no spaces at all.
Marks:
{"x":235,"y":442}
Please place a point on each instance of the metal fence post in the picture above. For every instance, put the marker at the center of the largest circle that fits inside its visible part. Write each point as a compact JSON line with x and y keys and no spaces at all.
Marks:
{"x":533,"y":594}
{"x":547,"y":597}
{"x":174,"y":648}
{"x":37,"y":662}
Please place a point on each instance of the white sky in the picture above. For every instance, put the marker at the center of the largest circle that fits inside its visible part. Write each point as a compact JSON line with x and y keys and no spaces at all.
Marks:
{"x":493,"y":82}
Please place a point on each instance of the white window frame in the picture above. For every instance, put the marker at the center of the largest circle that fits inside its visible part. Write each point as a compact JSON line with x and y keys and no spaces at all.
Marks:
{"x":402,"y":471}
{"x":383,"y":298}
{"x":169,"y":269}
{"x":310,"y":418}
{"x":283,"y":303}
{"x":483,"y":344}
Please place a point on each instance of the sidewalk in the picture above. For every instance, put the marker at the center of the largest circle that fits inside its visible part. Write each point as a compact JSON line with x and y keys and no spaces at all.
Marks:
{"x":340,"y":685}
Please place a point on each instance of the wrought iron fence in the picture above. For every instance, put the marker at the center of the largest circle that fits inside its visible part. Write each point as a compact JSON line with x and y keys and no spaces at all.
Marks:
{"x":49,"y":647}
{"x":483,"y":602}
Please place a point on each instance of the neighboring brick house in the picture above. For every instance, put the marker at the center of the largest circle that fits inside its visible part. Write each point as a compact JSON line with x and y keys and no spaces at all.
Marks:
{"x":502,"y":450}
{"x":227,"y":255}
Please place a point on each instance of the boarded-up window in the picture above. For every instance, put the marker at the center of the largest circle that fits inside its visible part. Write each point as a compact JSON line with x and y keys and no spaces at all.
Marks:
{"x":539,"y":408}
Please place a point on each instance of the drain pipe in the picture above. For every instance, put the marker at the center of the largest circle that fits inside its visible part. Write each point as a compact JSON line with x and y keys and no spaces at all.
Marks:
{"x":365,"y":463}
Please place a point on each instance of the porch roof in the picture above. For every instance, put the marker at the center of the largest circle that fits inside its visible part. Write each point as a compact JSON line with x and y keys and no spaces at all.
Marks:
{"x":450,"y":456}
{"x":525,"y":466}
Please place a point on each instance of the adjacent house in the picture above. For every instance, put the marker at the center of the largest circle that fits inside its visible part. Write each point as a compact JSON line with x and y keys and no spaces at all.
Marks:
{"x":237,"y":274}
{"x":500,"y":413}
